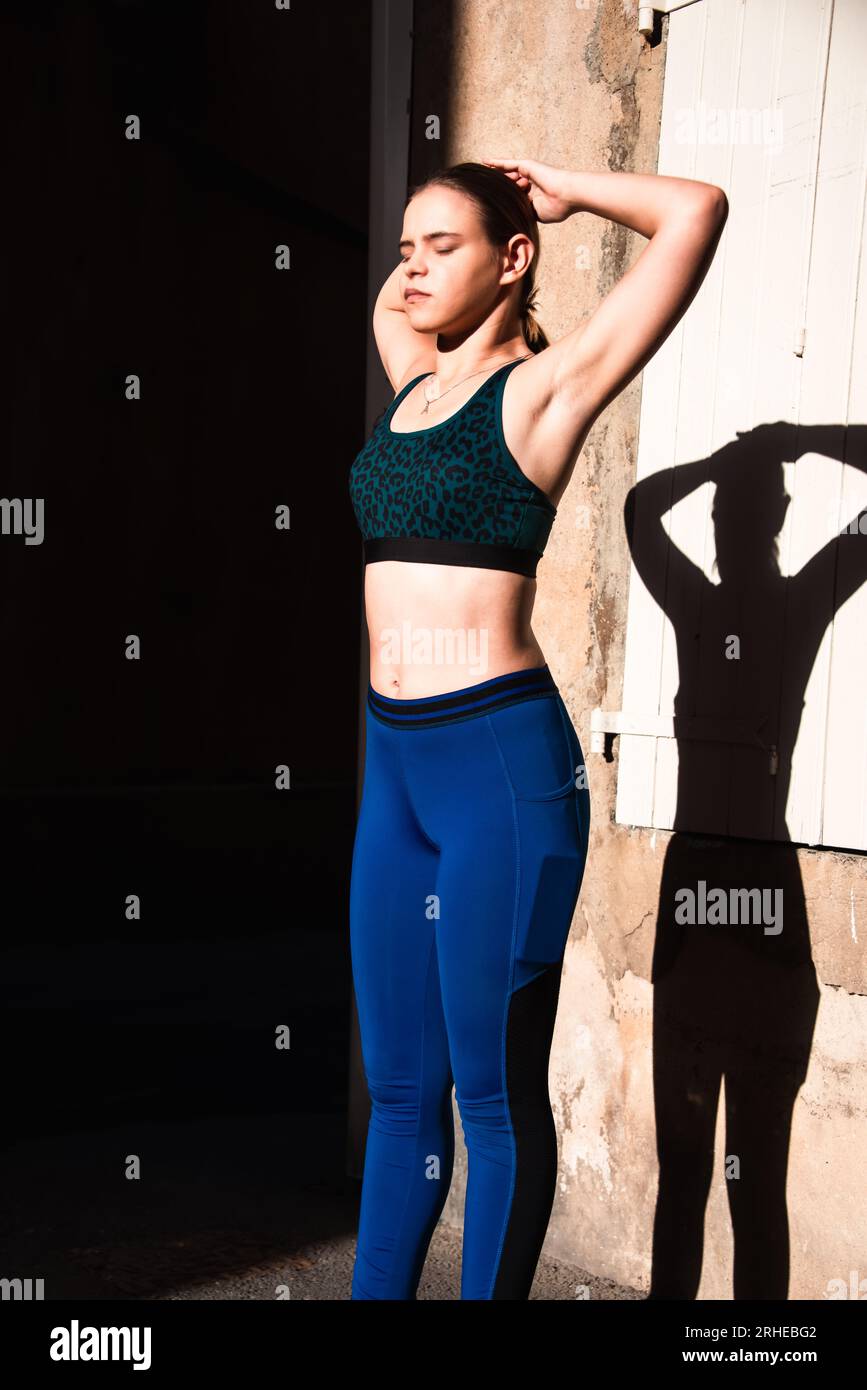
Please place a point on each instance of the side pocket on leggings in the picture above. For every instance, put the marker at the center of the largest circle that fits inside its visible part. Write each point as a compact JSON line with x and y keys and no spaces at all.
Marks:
{"x":539,"y":749}
{"x":553,"y":856}
{"x":536,"y":742}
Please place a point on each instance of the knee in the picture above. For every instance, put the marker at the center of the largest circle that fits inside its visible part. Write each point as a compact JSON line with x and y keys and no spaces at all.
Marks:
{"x":485,"y":1122}
{"x":395,"y":1106}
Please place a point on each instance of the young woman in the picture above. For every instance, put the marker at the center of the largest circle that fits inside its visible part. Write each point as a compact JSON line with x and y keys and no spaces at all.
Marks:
{"x":472,"y":832}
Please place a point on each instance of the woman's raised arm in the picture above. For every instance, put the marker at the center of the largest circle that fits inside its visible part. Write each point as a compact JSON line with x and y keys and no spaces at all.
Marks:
{"x":404,"y":351}
{"x":577,"y":376}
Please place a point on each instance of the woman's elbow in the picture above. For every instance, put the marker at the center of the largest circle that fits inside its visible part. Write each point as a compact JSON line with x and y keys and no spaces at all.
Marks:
{"x":717,"y":202}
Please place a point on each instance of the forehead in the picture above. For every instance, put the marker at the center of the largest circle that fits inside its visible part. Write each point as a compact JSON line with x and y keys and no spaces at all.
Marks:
{"x":437,"y":210}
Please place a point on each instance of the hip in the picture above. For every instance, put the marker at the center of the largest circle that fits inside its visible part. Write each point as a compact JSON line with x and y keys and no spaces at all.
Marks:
{"x":511,"y":731}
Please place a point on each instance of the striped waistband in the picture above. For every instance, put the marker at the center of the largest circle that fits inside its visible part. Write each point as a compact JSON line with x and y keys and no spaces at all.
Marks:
{"x":456,"y":705}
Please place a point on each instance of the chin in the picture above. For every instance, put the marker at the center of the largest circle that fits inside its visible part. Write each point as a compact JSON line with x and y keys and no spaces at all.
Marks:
{"x":432,"y":314}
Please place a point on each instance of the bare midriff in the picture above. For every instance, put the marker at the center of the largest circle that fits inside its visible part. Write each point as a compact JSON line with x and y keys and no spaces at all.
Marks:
{"x":436,"y":628}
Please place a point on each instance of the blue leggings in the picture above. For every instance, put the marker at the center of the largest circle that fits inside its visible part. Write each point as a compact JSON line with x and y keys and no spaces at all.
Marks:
{"x":468,"y":859}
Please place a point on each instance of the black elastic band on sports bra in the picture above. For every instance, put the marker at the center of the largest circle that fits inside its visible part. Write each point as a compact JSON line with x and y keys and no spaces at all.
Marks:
{"x":430,"y":550}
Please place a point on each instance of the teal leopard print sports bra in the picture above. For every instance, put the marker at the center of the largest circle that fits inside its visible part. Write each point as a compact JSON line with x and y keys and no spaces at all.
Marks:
{"x":451,"y":494}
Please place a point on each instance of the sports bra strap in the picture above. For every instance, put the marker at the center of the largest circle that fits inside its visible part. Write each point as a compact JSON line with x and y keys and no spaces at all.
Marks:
{"x":405,"y":392}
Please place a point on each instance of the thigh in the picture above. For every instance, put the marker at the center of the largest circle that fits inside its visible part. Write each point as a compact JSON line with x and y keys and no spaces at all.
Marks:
{"x":478,"y":887}
{"x":392,"y":927}
{"x":507,"y":900}
{"x":499,"y":794}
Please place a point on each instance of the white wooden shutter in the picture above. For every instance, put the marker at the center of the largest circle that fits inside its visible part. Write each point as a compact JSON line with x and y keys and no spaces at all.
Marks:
{"x":778,"y":332}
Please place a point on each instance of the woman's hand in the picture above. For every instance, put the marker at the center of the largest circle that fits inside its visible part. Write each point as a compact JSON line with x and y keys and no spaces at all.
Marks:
{"x":546,"y":187}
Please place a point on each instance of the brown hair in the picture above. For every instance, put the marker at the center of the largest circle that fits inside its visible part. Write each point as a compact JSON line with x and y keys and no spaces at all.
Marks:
{"x":503,"y":209}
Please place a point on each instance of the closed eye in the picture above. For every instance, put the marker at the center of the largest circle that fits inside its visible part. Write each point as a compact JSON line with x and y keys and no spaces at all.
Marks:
{"x":404,"y":259}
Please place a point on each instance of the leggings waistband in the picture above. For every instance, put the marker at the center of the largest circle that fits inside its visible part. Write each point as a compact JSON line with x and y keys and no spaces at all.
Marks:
{"x":467,"y":703}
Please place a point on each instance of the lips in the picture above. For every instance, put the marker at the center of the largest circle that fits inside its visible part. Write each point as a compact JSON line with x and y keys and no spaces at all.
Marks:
{"x":416,"y":294}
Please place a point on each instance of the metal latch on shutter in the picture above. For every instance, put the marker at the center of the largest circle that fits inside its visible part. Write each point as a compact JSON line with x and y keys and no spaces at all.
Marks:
{"x":604,"y":724}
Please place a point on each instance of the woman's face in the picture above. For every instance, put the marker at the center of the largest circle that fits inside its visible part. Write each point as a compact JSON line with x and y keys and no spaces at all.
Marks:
{"x":447,"y":257}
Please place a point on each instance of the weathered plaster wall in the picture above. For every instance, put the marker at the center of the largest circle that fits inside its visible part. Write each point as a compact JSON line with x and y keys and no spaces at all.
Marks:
{"x":577,"y":86}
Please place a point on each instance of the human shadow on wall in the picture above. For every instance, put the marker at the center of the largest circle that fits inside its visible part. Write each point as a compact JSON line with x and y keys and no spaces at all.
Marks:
{"x":735,"y":999}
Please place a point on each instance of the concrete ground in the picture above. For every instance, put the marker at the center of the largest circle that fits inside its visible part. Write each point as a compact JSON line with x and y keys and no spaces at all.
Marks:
{"x":226,"y":1207}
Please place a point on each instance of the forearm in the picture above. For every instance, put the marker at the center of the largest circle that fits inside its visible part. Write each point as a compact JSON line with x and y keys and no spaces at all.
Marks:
{"x":661,"y":490}
{"x":640,"y":201}
{"x":390,"y":296}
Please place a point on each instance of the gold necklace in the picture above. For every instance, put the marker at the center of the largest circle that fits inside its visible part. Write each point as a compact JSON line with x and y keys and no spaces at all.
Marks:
{"x":430,"y":399}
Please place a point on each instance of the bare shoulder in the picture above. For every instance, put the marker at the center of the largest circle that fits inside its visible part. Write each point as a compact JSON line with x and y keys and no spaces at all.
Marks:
{"x":544,"y":428}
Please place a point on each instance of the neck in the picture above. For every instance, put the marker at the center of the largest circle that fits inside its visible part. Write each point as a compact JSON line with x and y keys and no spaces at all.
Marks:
{"x":454,"y":362}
